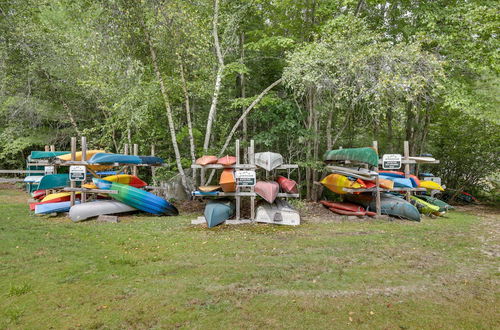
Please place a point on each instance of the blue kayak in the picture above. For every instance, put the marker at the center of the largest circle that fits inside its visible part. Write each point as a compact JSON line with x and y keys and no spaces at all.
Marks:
{"x":53,"y":207}
{"x":151,"y":160}
{"x":52,"y":181}
{"x":398,"y":182}
{"x":218,"y":211}
{"x":105,"y":158}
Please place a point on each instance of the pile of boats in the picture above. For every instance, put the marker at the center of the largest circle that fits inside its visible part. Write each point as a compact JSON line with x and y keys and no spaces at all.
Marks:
{"x":128,"y":194}
{"x":219,"y":210}
{"x":356,"y":185}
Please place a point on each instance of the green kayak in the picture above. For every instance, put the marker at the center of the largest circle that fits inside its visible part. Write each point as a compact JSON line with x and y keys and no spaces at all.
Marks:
{"x":442,"y":205}
{"x":364,"y":155}
{"x":424,"y":207}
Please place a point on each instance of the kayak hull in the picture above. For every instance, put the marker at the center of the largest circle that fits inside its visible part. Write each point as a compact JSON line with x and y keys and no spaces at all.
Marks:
{"x":267,"y":190}
{"x":85,"y":211}
{"x":218,"y":211}
{"x":206,"y":160}
{"x":287,"y":185}
{"x":227,"y":180}
{"x":268,"y":160}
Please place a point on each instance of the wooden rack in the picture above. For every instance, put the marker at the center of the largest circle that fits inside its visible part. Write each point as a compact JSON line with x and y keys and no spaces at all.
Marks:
{"x":240,"y":191}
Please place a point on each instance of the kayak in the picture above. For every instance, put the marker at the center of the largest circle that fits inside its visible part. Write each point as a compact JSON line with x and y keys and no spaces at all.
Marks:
{"x":337,"y":183}
{"x":47,"y":208}
{"x":279,"y":212}
{"x":399,"y":182}
{"x":89,"y":154}
{"x":52,"y":181}
{"x":151,"y":160}
{"x":430,"y":185}
{"x":289,"y":186}
{"x":423,"y":206}
{"x":128,"y":179}
{"x":227,"y":180}
{"x":390,"y":205}
{"x":218,"y":211}
{"x":227,"y":160}
{"x":33,"y":205}
{"x":395,"y":174}
{"x":58,"y":197}
{"x":105,"y":158}
{"x":38,"y":194}
{"x":84,"y":211}
{"x":365,"y":155}
{"x":345,"y":208}
{"x":267,"y":190}
{"x":443,"y":206}
{"x":33,"y":179}
{"x":208,"y":188}
{"x":205,"y":160}
{"x":423,"y":159}
{"x":46,"y":154}
{"x":137,"y":198}
{"x":268,"y":160}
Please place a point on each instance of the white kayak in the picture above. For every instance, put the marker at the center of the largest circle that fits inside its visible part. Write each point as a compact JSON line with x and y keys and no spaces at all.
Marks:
{"x":268,"y":160}
{"x":33,"y":178}
{"x":423,"y":159}
{"x":280,"y":212}
{"x":93,"y":209}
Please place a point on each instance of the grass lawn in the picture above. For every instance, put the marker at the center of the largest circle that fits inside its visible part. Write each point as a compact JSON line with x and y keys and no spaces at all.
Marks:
{"x":161,"y":272}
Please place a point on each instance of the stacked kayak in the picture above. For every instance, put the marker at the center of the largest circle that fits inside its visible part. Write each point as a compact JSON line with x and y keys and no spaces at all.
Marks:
{"x":137,"y":198}
{"x":127,"y":179}
{"x":53,"y":207}
{"x":53,"y":181}
{"x":390,"y":205}
{"x":365,"y":155}
{"x":217,"y":211}
{"x":337,"y":183}
{"x":344,"y":208}
{"x":268,"y":190}
{"x":88,"y":210}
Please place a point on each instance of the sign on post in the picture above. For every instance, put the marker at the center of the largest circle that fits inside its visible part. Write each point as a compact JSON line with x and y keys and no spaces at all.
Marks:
{"x":391,"y":161}
{"x":245,"y":178}
{"x":77,"y":173}
{"x":48,"y":170}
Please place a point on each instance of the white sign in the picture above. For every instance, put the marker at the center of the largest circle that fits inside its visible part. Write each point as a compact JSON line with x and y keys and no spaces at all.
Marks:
{"x":49,"y":170}
{"x":77,"y":173}
{"x":245,"y":178}
{"x":391,"y":161}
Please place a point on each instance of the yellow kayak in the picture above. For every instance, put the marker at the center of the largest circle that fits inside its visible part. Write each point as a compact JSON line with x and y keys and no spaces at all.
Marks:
{"x":89,"y":154}
{"x":127,"y":179}
{"x":337,"y":183}
{"x":430,"y":185}
{"x":58,"y":197}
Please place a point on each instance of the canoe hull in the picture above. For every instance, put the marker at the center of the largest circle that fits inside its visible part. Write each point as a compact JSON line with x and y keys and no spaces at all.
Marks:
{"x":287,"y":185}
{"x":280,"y":212}
{"x":227,"y":160}
{"x":52,"y":181}
{"x":218,"y":211}
{"x":390,"y":205}
{"x":267,"y":190}
{"x":268,"y":160}
{"x":337,"y":183}
{"x":364,"y":155}
{"x":206,"y":160}
{"x":85,"y":211}
{"x":53,"y":207}
{"x":227,"y":180}
{"x":105,"y":158}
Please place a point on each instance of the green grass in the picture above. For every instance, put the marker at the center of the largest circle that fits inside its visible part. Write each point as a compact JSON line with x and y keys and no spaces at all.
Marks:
{"x":162,"y":272}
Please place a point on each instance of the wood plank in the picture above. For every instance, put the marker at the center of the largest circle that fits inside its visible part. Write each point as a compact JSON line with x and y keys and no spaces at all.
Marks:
{"x":21,"y":171}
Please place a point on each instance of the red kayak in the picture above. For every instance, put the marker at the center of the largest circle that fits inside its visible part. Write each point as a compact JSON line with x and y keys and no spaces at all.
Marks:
{"x":227,"y":160}
{"x":205,"y":160}
{"x":344,"y":212}
{"x":39,"y":194}
{"x":287,"y":185}
{"x":267,"y":190}
{"x":347,"y":208}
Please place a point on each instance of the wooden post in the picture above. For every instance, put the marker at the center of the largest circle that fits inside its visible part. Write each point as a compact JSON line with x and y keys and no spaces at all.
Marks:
{"x":136,"y":152}
{"x":377,"y":184}
{"x":125,"y":149}
{"x":47,"y":148}
{"x":153,"y":168}
{"x":238,"y":198}
{"x":251,"y":160}
{"x":406,"y":151}
{"x":83,"y":196}
{"x":73,"y":157}
{"x":52,"y":148}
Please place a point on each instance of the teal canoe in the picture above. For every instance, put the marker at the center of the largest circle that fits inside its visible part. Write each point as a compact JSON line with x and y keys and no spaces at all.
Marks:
{"x":53,"y":181}
{"x":364,"y":155}
{"x":47,"y":154}
{"x":442,"y":205}
{"x":218,"y":211}
{"x":105,"y":158}
{"x":138,"y":198}
{"x":390,"y":205}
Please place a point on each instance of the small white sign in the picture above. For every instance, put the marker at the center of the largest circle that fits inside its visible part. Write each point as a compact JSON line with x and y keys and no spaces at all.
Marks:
{"x":77,"y":173}
{"x":245,"y":178}
{"x":391,"y":161}
{"x":49,"y":170}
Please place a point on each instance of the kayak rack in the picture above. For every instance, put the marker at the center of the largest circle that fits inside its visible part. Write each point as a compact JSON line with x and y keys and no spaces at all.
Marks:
{"x":240,"y":191}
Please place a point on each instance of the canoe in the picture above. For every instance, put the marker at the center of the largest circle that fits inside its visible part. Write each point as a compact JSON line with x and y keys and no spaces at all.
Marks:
{"x":52,"y":181}
{"x":337,"y":183}
{"x":364,"y":155}
{"x":390,"y":205}
{"x":431,"y":185}
{"x":227,"y":180}
{"x":423,"y":206}
{"x":267,"y":190}
{"x":208,"y":188}
{"x":105,"y":158}
{"x":423,"y":159}
{"x":399,"y":182}
{"x":227,"y":160}
{"x":268,"y":160}
{"x":58,"y":197}
{"x":128,"y":179}
{"x":93,"y":209}
{"x":205,"y":160}
{"x":137,"y":198}
{"x":443,"y":206}
{"x":38,"y":194}
{"x":218,"y":211}
{"x":53,"y":207}
{"x":279,"y":212}
{"x":289,"y":186}
{"x":46,"y":154}
{"x":33,"y":179}
{"x":151,"y":160}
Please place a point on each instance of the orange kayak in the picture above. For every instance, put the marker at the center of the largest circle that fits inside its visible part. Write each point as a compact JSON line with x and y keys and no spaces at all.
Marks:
{"x":227,"y":160}
{"x":227,"y":180}
{"x":205,"y":160}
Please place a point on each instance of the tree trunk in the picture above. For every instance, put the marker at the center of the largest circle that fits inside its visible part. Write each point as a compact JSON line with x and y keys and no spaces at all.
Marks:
{"x":243,"y":94}
{"x":329,"y":131}
{"x":389,"y":129}
{"x":168,"y":109}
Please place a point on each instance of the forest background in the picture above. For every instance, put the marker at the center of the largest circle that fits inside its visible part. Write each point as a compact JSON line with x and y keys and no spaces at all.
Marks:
{"x":298,"y":77}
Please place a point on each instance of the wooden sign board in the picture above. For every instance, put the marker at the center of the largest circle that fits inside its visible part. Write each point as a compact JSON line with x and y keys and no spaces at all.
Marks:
{"x":391,"y":161}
